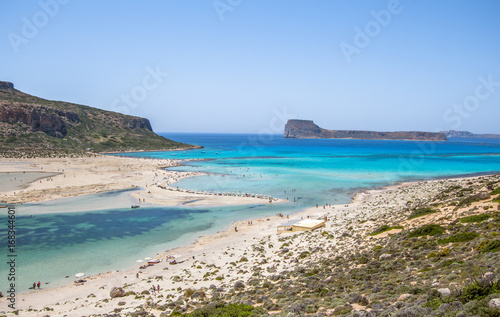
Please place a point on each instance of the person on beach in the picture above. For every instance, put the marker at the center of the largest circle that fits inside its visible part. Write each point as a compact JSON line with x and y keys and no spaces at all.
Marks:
{"x":158,"y":288}
{"x":235,"y":229}
{"x":38,"y":284}
{"x":34,"y":285}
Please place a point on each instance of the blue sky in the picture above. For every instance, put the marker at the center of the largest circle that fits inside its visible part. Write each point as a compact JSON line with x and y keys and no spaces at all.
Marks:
{"x":249,"y":65}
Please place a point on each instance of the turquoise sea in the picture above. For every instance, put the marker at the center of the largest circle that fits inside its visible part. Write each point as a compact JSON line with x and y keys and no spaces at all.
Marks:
{"x":98,"y":239}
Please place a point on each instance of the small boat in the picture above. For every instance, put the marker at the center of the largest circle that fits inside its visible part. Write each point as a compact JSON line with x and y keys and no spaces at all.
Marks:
{"x":154,"y":261}
{"x":134,"y":206}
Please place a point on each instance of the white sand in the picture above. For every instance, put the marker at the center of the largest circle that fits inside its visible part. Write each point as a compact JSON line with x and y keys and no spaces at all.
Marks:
{"x":80,"y":176}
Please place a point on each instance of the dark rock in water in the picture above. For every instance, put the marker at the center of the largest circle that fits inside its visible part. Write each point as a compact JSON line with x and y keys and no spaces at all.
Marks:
{"x":307,"y":129}
{"x":116,"y":292}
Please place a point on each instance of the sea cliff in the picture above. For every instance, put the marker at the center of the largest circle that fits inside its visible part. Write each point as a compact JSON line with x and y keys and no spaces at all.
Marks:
{"x":34,"y":127}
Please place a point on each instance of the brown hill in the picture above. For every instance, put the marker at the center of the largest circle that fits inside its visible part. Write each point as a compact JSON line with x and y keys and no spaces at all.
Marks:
{"x":32,"y":126}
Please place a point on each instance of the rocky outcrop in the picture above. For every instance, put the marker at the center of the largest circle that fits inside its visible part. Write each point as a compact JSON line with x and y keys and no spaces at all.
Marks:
{"x":116,"y":292}
{"x":137,"y":123}
{"x":494,"y":303}
{"x":34,"y":127}
{"x":470,"y":135}
{"x":303,"y":129}
{"x":5,"y":85}
{"x":37,"y":118}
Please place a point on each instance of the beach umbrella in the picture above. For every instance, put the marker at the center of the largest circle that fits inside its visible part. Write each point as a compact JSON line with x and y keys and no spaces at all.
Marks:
{"x":79,"y":274}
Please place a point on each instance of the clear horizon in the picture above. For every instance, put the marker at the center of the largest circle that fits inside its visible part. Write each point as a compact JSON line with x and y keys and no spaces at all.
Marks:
{"x":236,"y":66}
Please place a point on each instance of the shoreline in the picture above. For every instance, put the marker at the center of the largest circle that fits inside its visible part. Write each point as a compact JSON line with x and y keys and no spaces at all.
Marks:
{"x":26,"y":180}
{"x":193,"y":147}
{"x":367,"y":210}
{"x":264,"y":228}
{"x":81,"y":176}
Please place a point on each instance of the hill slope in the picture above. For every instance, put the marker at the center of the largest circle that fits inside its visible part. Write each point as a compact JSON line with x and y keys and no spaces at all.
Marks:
{"x":32,"y":127}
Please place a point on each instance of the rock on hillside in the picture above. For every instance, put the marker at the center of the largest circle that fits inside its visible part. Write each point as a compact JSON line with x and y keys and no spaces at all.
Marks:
{"x":32,"y":126}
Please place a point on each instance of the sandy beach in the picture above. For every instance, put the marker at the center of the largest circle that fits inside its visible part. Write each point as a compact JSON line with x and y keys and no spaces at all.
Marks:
{"x":70,"y":177}
{"x":214,"y":264}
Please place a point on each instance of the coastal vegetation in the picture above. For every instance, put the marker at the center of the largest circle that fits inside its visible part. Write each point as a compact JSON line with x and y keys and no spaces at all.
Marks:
{"x":443,"y":264}
{"x":446,"y":266}
{"x":419,"y":212}
{"x":385,"y":228}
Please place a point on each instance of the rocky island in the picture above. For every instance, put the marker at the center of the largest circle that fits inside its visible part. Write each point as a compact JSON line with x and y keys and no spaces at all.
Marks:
{"x":307,"y":129}
{"x":33,"y":127}
{"x":470,"y":135}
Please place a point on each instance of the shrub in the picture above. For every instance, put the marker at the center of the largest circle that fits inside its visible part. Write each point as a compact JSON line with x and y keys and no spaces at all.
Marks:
{"x":495,"y":191}
{"x":492,"y":246}
{"x":480,"y":308}
{"x":469,"y":200}
{"x":475,"y":218}
{"x":189,"y":292}
{"x":478,"y":290}
{"x":422,"y":212}
{"x":432,"y":255}
{"x":221,"y":309}
{"x":459,"y":237}
{"x":427,"y":230}
{"x":303,"y":255}
{"x":384,"y":228}
{"x":439,"y":254}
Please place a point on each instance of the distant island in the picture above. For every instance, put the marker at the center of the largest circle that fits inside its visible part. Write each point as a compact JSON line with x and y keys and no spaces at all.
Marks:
{"x":307,"y":129}
{"x":34,"y":127}
{"x":470,"y":135}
